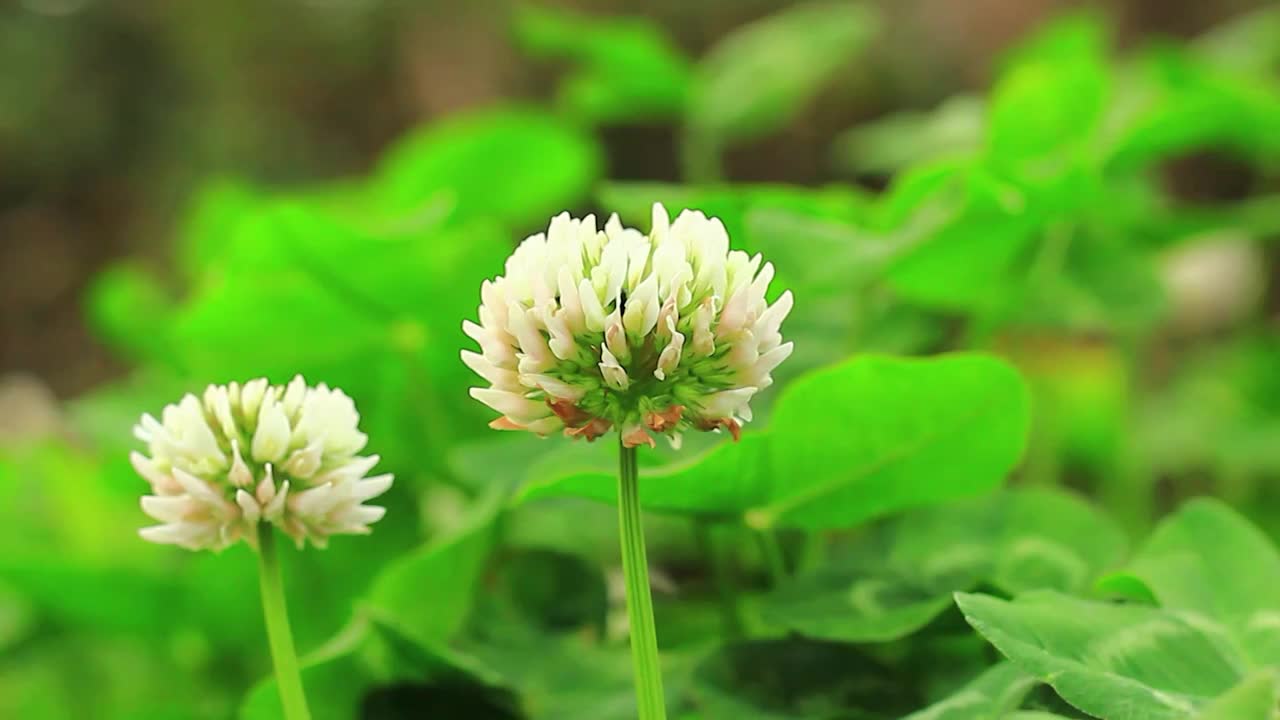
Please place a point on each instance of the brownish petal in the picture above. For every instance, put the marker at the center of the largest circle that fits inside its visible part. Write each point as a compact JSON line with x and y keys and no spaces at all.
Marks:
{"x":636,"y":436}
{"x":505,"y":423}
{"x":591,"y":430}
{"x":729,"y":424}
{"x":665,"y":420}
{"x":568,"y":413}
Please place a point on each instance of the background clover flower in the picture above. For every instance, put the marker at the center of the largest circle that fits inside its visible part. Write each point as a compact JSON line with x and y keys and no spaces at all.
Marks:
{"x":241,"y":455}
{"x":592,"y":329}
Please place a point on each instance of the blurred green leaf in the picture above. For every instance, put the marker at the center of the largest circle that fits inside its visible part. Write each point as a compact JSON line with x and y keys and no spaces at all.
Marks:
{"x":625,"y":69}
{"x":994,"y":695}
{"x":516,"y":166}
{"x":759,"y":77}
{"x":1174,"y":102}
{"x":1112,"y":660}
{"x":972,"y":226}
{"x":1050,"y":98}
{"x":1255,"y":698}
{"x":429,"y":593}
{"x":892,"y":583}
{"x":1208,"y":560}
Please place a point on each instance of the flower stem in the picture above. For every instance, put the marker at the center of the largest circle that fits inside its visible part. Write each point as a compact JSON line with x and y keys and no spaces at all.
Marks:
{"x":650,"y":700}
{"x":283,"y":655}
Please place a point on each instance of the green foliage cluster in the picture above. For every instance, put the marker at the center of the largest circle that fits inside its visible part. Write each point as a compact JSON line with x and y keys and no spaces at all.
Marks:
{"x":1009,"y":307}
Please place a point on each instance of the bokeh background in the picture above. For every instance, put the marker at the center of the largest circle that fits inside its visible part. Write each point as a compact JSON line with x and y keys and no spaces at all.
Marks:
{"x":112,"y":115}
{"x":141,"y":141}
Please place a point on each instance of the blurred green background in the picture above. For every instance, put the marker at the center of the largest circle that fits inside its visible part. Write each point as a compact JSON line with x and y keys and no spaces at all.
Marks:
{"x":195,"y":193}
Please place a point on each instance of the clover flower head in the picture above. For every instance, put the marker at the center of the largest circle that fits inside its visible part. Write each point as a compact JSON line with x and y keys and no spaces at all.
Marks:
{"x":246,"y":454}
{"x":591,"y":329}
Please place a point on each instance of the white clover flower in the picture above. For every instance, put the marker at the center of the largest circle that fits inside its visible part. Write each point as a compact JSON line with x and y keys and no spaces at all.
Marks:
{"x":242,"y":455}
{"x":589,"y":330}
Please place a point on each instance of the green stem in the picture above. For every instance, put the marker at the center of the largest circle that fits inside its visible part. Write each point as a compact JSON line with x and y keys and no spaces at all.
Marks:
{"x":283,"y":655}
{"x":650,"y":700}
{"x":772,"y":553}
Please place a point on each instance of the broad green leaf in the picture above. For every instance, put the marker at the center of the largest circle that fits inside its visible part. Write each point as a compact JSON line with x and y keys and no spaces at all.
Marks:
{"x":874,"y":435}
{"x":517,"y":166}
{"x":1177,"y":103}
{"x":757,"y":78}
{"x":626,"y":69}
{"x":968,"y":227}
{"x":845,"y":444}
{"x":1051,"y":97}
{"x":1208,"y":560}
{"x":1112,"y":661}
{"x":429,"y":593}
{"x":1255,"y":698}
{"x":903,"y":575}
{"x":993,"y":695}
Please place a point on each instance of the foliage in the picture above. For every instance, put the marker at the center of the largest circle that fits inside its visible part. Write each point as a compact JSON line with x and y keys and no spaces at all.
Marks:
{"x":1005,"y":375}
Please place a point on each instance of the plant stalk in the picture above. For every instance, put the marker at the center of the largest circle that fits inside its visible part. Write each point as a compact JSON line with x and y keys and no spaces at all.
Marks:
{"x":650,"y":700}
{"x":283,"y":655}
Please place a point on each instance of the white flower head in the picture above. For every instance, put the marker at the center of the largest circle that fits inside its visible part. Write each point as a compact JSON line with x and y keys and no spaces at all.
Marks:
{"x":591,"y":329}
{"x":246,"y":454}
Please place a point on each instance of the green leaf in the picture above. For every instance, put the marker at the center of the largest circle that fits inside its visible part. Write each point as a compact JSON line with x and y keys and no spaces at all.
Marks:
{"x":1255,"y":698}
{"x":626,"y":69}
{"x":429,"y":592}
{"x":1112,"y":661}
{"x":759,"y":77}
{"x":875,"y":435}
{"x":993,"y":695}
{"x":1051,"y":97}
{"x":903,"y":575}
{"x":847,"y":443}
{"x":517,"y":166}
{"x":971,"y":226}
{"x":1207,"y":559}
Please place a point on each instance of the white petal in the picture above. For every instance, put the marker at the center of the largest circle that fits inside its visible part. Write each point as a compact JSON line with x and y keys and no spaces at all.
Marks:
{"x":251,"y":397}
{"x":168,"y":509}
{"x":273,"y":510}
{"x":514,"y":405}
{"x":271,"y":439}
{"x":499,"y":377}
{"x":371,"y":487}
{"x":249,"y":507}
{"x":593,"y":311}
